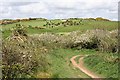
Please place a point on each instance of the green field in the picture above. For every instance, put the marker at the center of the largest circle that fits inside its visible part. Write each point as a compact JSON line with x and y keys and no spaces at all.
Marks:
{"x":86,"y":25}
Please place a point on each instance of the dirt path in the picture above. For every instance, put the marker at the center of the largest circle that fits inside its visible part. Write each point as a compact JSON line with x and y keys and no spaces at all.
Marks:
{"x":82,"y":67}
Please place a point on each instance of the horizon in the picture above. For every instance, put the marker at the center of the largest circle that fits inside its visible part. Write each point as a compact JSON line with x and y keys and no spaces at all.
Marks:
{"x":56,"y":18}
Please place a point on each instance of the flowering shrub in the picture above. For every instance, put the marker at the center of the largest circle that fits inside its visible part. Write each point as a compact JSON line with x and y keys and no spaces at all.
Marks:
{"x":22,"y":56}
{"x":99,"y":39}
{"x":102,"y":40}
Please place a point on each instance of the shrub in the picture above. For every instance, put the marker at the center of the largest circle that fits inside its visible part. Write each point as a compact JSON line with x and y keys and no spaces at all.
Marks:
{"x":102,"y":40}
{"x":101,"y":19}
{"x":22,"y":58}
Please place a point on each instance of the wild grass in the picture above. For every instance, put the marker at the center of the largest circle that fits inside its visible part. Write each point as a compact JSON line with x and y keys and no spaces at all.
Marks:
{"x":61,"y":66}
{"x":104,"y":64}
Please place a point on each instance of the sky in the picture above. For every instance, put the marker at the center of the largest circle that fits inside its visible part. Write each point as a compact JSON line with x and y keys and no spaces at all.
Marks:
{"x":59,"y":9}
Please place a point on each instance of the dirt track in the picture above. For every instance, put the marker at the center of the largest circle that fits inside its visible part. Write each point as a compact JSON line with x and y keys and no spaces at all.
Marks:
{"x":82,"y":67}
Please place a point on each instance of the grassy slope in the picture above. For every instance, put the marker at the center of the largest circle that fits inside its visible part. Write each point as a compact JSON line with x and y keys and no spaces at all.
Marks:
{"x":61,"y":66}
{"x":103,"y":64}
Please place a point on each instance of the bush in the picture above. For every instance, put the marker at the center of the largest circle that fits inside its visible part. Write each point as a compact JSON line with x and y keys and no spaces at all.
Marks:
{"x":22,"y":58}
{"x":19,"y":30}
{"x":97,"y":39}
{"x":101,"y":19}
{"x":102,"y":40}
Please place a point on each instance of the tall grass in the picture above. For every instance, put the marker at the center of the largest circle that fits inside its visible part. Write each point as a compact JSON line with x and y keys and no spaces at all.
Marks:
{"x":104,"y":64}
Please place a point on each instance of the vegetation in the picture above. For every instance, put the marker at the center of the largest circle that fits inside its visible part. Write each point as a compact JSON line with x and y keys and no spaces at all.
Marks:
{"x":22,"y":56}
{"x":101,"y":40}
{"x":41,"y":48}
{"x":61,"y":66}
{"x":104,"y":64}
{"x":58,"y":26}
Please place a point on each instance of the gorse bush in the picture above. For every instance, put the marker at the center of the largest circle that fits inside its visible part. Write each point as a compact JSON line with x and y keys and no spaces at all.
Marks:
{"x":101,"y":19}
{"x":21,"y":58}
{"x":102,"y":40}
{"x":19,"y":30}
{"x":97,"y":39}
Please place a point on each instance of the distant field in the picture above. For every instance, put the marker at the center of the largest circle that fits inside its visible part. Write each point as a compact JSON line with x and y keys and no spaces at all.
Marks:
{"x":109,"y":25}
{"x":86,"y":25}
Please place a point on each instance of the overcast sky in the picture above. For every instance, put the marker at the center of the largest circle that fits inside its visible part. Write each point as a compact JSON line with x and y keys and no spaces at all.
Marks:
{"x":51,"y":9}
